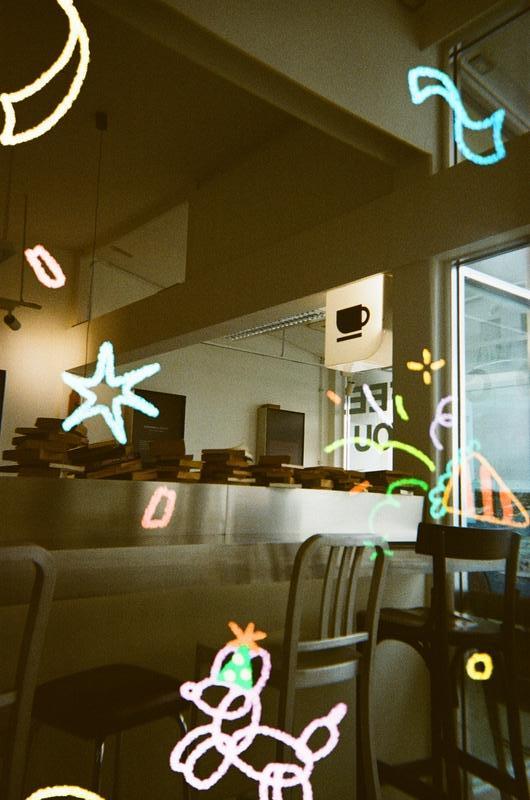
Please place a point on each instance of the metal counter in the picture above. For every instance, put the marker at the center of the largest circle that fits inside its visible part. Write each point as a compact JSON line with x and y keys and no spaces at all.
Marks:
{"x":66,"y":514}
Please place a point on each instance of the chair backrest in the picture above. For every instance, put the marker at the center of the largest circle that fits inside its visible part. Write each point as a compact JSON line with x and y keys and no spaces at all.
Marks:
{"x":337,"y":624}
{"x":471,"y":544}
{"x":20,"y":698}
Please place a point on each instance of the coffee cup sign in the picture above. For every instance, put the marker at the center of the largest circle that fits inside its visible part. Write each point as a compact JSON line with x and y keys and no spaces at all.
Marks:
{"x":354,"y":322}
{"x":351,"y":321}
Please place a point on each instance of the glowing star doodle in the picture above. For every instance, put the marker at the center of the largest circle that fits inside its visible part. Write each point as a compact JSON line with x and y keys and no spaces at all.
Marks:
{"x":426,"y":366}
{"x":149,"y":521}
{"x":248,"y":637}
{"x":446,"y":89}
{"x":333,"y":396}
{"x":443,"y":418}
{"x":105,"y":373}
{"x":242,"y":702}
{"x":384,"y":416}
{"x":511,"y":514}
{"x":64,"y":791}
{"x":8,"y":100}
{"x":36,"y":255}
{"x":472,"y":664}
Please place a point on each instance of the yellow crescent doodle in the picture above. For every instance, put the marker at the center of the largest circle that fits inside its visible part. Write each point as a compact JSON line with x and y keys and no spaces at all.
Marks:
{"x":64,"y":791}
{"x":8,"y":100}
{"x":477,"y":674}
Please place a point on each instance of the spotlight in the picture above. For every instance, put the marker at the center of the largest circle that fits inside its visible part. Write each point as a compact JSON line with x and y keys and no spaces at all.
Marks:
{"x":12,"y":322}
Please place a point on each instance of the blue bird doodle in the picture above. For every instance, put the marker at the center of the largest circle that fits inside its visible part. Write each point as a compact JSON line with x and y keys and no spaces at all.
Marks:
{"x":461,"y":120}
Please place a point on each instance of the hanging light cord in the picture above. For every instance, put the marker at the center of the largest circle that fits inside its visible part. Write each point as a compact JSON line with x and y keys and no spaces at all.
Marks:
{"x":8,"y":194}
{"x":23,"y":257}
{"x":101,"y":124}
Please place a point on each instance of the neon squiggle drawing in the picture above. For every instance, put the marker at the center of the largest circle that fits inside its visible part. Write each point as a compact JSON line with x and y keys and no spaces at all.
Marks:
{"x":34,"y":256}
{"x":105,"y":372}
{"x":8,"y":100}
{"x":392,"y":444}
{"x":461,"y":119}
{"x":384,"y":416}
{"x":400,"y":408}
{"x":64,"y":791}
{"x":479,"y":674}
{"x":242,"y":700}
{"x":334,"y":397}
{"x":149,"y":521}
{"x":407,"y":482}
{"x":445,"y":419}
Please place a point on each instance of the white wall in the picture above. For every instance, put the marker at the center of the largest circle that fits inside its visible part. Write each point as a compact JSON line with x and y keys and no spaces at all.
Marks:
{"x":223,"y":389}
{"x":35,"y":355}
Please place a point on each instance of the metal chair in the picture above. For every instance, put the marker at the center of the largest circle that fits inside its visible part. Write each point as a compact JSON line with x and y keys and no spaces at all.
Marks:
{"x":17,"y":703}
{"x":338,"y":653}
{"x":442,"y":636}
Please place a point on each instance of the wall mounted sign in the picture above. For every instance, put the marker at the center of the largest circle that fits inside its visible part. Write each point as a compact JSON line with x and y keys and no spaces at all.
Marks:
{"x":169,"y":423}
{"x":354,"y":326}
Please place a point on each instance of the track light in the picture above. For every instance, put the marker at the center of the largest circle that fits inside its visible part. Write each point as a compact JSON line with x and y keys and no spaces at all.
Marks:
{"x":12,"y":322}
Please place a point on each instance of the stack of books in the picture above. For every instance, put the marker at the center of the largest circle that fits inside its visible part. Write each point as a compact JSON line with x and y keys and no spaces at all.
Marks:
{"x":321,"y":477}
{"x":274,"y":471}
{"x":168,"y":461}
{"x":44,"y":451}
{"x":226,"y":466}
{"x":106,"y":459}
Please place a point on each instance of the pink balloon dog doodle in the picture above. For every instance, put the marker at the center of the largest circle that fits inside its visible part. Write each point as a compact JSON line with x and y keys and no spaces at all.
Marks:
{"x":242,"y":700}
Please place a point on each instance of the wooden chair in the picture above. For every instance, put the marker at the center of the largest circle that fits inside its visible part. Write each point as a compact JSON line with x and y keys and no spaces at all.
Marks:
{"x":338,"y":653}
{"x":16,"y":704}
{"x":436,"y":633}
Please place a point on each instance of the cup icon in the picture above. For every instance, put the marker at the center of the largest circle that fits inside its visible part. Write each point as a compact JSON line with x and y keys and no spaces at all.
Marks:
{"x":351,"y":321}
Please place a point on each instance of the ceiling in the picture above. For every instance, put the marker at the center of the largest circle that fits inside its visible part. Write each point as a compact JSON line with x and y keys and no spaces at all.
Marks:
{"x":171,"y":125}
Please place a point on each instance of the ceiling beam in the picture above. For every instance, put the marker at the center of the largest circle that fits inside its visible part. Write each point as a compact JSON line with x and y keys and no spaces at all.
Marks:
{"x":177,"y":32}
{"x":458,"y":212}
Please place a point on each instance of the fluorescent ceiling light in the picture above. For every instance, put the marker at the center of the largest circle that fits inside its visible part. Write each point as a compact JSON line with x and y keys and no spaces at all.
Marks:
{"x":304,"y":317}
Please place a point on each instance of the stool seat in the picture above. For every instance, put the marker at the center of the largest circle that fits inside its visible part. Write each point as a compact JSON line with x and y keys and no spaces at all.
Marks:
{"x":98,"y":702}
{"x":415,"y":622}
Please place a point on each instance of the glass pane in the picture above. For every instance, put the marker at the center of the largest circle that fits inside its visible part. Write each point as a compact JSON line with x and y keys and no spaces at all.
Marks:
{"x":496,"y":395}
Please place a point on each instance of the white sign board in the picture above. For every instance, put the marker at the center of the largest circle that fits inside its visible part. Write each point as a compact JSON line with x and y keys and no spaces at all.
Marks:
{"x":354,"y":322}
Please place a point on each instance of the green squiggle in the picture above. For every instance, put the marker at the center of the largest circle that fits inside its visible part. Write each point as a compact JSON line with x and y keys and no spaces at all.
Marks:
{"x":400,"y":408}
{"x":407,"y":482}
{"x":392,"y":443}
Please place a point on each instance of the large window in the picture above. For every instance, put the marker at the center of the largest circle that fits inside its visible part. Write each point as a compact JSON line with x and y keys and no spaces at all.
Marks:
{"x":494,"y":382}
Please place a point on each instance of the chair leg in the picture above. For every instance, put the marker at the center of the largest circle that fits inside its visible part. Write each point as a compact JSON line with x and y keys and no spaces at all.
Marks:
{"x":492,"y":710}
{"x":183,"y":729}
{"x":99,"y":753}
{"x":514,"y":726}
{"x":117,"y":760}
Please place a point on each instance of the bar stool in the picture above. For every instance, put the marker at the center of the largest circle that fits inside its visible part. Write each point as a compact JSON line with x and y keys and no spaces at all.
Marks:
{"x":432,"y":633}
{"x":15,"y":705}
{"x":338,"y":653}
{"x":98,"y":703}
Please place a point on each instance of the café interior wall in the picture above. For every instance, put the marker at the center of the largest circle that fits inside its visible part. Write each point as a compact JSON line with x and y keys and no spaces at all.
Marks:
{"x":355,"y":55}
{"x":455,"y":212}
{"x":35,"y":355}
{"x":224,"y":388}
